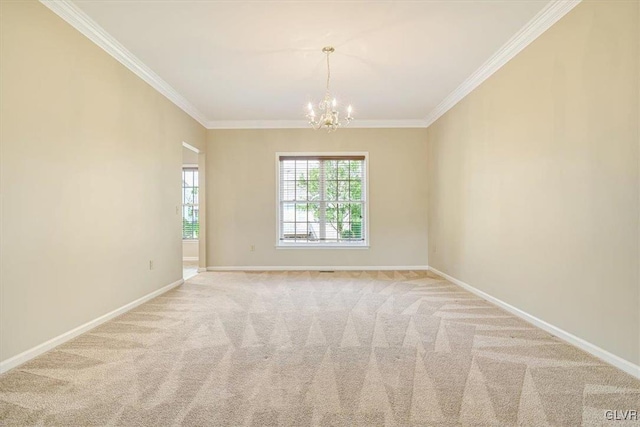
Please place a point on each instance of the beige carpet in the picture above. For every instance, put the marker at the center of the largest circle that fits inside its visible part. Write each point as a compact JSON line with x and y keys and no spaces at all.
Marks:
{"x":308,"y":348}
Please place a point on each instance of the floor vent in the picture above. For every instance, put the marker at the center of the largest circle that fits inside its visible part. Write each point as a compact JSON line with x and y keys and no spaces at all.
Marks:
{"x":327,"y":271}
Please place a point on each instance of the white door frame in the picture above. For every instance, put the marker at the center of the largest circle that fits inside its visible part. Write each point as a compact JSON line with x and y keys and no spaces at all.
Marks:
{"x":202,"y":212}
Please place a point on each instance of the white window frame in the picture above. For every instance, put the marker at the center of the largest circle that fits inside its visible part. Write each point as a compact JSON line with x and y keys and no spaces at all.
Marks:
{"x":303,"y":245}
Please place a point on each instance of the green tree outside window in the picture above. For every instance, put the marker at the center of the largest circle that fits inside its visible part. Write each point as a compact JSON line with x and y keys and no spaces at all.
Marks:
{"x":342,"y":195}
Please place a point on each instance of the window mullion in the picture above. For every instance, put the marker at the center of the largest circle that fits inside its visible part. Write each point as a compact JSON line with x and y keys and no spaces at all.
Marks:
{"x":323,"y":203}
{"x":336,"y":208}
{"x":295,"y":201}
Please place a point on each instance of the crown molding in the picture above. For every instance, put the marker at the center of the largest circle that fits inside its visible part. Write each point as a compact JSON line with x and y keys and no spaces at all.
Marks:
{"x":540,"y":23}
{"x":79,"y":20}
{"x":73,"y":15}
{"x":303,"y":124}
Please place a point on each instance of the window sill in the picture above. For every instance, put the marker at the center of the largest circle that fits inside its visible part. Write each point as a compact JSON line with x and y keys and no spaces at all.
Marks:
{"x":312,"y":246}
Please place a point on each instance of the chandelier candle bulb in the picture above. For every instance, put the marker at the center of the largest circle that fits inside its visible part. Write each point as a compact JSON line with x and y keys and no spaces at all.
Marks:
{"x":329,"y":118}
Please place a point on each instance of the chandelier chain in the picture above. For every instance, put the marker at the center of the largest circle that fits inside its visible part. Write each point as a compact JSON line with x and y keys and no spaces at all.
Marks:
{"x":328,"y":72}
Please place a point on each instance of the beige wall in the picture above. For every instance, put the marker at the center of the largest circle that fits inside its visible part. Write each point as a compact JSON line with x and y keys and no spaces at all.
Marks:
{"x":241,"y":192}
{"x":189,"y":157}
{"x":90,"y":180}
{"x":534,"y":180}
{"x":190,"y":249}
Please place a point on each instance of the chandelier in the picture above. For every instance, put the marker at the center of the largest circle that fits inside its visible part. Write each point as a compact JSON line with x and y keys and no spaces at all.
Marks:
{"x":329,"y":117}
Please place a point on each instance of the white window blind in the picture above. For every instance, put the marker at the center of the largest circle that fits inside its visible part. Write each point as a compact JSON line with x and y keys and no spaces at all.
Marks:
{"x":190,"y":224}
{"x":322,"y":200}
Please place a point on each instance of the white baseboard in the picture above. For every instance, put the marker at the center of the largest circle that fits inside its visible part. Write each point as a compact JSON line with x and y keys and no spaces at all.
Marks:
{"x":201,"y":269}
{"x":189,"y":275}
{"x":190,"y":258}
{"x":318,"y":268}
{"x":582,"y":344}
{"x":25,"y":356}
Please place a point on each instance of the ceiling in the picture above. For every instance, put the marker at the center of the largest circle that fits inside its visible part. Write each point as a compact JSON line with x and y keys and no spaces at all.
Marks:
{"x":236,"y":62}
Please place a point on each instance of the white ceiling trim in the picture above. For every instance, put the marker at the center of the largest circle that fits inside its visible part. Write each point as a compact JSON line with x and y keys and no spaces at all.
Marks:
{"x":87,"y":26}
{"x":548,"y":16}
{"x":540,"y":23}
{"x":73,"y":15}
{"x":303,"y":124}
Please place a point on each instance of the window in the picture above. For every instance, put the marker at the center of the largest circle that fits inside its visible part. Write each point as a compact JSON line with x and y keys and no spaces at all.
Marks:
{"x":190,"y":225}
{"x":322,"y":200}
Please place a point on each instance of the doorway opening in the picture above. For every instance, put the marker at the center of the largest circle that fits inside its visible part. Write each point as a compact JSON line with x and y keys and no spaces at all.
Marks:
{"x":190,"y":212}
